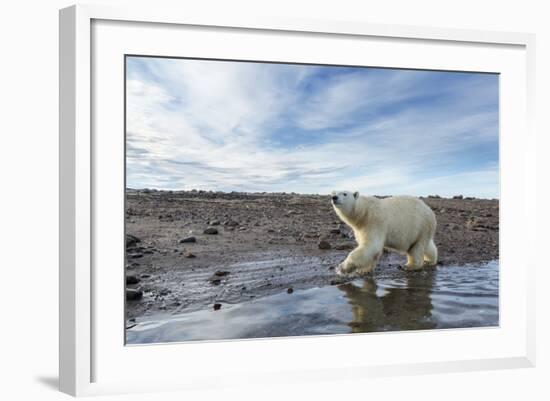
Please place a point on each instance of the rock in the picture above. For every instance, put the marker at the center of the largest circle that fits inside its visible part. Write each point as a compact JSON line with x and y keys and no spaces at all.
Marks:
{"x":230,"y":223}
{"x":145,"y":275}
{"x":324,"y":245}
{"x":215,"y":280}
{"x":188,"y":254}
{"x":131,"y":279}
{"x":215,"y":223}
{"x":188,"y":239}
{"x":221,"y":273}
{"x":131,"y":240}
{"x":135,"y":255}
{"x":289,"y":291}
{"x":134,"y":294}
{"x":211,"y":231}
{"x":217,"y":306}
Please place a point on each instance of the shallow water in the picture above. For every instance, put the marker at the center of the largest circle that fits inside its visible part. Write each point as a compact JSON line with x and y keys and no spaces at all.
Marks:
{"x":446,"y":297}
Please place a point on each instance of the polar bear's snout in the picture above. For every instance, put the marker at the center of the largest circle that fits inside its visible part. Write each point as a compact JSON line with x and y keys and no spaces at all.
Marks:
{"x":343,"y":199}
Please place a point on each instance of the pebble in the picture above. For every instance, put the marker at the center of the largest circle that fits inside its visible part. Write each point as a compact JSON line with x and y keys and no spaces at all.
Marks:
{"x":133,"y":294}
{"x":188,"y":254}
{"x":188,"y":239}
{"x":211,"y":231}
{"x":131,"y":279}
{"x":324,"y":245}
{"x":131,"y":240}
{"x":215,"y":223}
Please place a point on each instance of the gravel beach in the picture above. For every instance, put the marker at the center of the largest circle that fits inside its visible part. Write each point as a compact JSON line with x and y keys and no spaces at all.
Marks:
{"x":192,"y":250}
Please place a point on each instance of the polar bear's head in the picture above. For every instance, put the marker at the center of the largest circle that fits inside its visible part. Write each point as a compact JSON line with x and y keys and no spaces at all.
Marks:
{"x":344,"y":201}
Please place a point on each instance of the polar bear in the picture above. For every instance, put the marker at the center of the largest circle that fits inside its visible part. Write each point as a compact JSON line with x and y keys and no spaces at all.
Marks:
{"x":404,"y":224}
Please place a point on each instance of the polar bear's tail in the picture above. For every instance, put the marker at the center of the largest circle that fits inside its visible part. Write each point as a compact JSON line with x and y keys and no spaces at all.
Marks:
{"x":430,"y":256}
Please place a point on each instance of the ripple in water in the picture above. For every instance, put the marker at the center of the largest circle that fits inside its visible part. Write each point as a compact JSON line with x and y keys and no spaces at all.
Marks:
{"x":442,"y":298}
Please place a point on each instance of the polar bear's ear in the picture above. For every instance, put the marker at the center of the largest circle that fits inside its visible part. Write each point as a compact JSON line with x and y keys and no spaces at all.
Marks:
{"x":356,"y":195}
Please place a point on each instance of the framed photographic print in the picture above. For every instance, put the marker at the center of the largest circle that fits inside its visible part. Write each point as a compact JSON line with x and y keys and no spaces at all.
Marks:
{"x":271,"y":190}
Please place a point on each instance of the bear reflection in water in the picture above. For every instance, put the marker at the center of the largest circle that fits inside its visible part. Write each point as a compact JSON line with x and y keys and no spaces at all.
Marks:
{"x":406,"y":307}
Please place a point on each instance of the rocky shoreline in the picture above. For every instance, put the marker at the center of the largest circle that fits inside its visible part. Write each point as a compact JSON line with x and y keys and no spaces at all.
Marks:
{"x":191,"y":250}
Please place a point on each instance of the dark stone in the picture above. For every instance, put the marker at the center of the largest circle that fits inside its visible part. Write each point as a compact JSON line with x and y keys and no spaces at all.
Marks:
{"x":131,"y":240}
{"x":145,"y":276}
{"x":211,"y":231}
{"x":324,"y":245}
{"x":188,"y":239}
{"x":221,"y":273}
{"x":131,"y":279}
{"x":133,"y":294}
{"x":215,"y":223}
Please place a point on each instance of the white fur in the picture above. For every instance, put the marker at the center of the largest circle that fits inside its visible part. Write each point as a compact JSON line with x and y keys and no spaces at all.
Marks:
{"x":401,"y":223}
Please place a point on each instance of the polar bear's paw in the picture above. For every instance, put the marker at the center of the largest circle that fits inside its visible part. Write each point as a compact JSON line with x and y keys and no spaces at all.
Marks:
{"x":411,"y":268}
{"x":350,"y":270}
{"x":345,"y":268}
{"x":341,"y":269}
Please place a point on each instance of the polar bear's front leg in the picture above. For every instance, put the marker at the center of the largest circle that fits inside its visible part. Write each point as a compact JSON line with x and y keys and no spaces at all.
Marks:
{"x":361,"y":260}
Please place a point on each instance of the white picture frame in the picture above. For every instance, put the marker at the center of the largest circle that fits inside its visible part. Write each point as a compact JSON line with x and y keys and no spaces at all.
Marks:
{"x":87,"y":363}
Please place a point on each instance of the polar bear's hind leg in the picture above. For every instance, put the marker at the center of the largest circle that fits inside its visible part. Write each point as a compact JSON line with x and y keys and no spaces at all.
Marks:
{"x":430,"y":256}
{"x":415,"y":256}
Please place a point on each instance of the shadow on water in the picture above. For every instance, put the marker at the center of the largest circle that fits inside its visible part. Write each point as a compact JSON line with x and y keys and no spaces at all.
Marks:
{"x":394,"y":300}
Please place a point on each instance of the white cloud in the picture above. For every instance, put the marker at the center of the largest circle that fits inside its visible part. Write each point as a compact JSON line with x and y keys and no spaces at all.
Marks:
{"x":210,"y":125}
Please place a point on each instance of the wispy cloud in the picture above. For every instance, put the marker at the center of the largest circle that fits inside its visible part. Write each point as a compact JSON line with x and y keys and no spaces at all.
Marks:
{"x":275,"y":127}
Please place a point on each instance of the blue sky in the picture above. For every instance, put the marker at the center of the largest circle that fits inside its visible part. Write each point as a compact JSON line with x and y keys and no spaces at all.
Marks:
{"x":238,"y":126}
